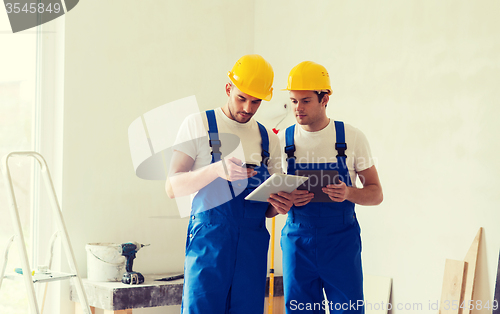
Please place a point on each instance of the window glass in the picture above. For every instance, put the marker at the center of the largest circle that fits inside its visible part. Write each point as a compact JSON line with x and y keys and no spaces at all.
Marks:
{"x":17,"y":101}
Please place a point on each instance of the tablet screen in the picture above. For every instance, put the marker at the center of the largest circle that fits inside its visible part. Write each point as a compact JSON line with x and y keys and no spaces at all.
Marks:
{"x":317,"y":180}
{"x":274,"y":184}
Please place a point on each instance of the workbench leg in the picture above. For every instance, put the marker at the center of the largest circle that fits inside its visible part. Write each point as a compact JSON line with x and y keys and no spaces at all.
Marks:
{"x":78,"y":308}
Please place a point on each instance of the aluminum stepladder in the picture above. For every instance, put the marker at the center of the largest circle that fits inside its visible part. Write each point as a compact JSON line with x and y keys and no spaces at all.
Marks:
{"x":28,"y":278}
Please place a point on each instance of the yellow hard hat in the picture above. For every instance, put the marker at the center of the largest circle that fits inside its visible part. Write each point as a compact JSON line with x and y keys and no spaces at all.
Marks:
{"x":308,"y":75}
{"x":254,"y":76}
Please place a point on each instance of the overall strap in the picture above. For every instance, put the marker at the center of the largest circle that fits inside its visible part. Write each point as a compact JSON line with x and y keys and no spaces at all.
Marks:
{"x":340,"y":145}
{"x":265,"y":145}
{"x":213,"y":134}
{"x":290,"y":148}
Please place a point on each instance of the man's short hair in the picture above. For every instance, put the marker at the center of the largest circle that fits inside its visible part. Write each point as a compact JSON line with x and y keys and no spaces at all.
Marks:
{"x":321,"y":94}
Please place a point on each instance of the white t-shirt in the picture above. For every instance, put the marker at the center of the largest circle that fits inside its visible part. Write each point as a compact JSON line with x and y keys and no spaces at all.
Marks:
{"x":241,"y":140}
{"x":319,"y":147}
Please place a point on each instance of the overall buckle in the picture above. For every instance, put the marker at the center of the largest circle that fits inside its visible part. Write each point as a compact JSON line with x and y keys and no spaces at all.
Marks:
{"x":341,"y":148}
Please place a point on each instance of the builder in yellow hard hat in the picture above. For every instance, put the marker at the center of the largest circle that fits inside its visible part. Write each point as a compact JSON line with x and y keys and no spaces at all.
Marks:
{"x":321,"y":239}
{"x":226,"y":247}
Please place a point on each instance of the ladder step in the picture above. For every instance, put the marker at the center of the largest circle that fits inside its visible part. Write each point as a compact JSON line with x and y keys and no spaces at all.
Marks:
{"x":61,"y":228}
{"x":43,"y":277}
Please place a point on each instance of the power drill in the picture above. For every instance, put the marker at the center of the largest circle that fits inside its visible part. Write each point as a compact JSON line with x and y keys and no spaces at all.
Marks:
{"x":128,"y":250}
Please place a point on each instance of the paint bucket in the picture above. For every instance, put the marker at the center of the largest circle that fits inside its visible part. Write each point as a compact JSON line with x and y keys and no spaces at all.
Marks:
{"x":105,"y":261}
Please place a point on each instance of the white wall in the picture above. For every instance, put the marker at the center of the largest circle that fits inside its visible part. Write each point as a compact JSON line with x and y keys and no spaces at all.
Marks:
{"x":124,"y":58}
{"x":417,"y":77}
{"x":420,"y":79}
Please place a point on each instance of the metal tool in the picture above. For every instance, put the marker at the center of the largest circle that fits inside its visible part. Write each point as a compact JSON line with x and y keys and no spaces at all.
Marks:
{"x":170,"y":278}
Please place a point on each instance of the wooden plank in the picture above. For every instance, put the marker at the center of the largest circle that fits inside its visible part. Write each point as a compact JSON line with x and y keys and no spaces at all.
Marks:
{"x":470,"y":273}
{"x":452,"y":287}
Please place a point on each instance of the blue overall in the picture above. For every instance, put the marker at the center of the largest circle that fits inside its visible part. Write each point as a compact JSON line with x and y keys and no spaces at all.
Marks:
{"x":226,"y":248}
{"x":321,"y":245}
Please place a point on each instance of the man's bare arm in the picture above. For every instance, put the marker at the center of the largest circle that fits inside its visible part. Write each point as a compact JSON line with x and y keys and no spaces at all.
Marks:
{"x":369,"y":194}
{"x":182,"y":181}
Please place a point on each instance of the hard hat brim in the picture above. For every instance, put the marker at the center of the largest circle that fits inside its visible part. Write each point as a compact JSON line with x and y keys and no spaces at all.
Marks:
{"x":312,"y":90}
{"x":266,"y":97}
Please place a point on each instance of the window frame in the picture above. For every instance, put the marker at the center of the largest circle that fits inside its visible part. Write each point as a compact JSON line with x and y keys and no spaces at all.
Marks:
{"x":48,"y":141}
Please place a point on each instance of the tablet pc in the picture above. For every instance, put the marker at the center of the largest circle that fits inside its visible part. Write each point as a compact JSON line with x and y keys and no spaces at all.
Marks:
{"x":274,"y":184}
{"x":317,"y":180}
